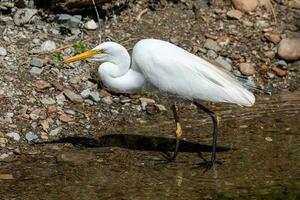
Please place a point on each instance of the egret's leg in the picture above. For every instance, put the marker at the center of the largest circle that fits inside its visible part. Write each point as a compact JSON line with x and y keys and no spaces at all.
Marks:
{"x":178,"y":131}
{"x":215,"y":120}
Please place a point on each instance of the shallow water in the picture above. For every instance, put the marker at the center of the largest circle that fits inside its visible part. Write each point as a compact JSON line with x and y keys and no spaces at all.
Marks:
{"x":259,"y":148}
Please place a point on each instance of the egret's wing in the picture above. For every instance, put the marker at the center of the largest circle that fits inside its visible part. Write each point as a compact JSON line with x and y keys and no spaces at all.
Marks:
{"x":174,"y":70}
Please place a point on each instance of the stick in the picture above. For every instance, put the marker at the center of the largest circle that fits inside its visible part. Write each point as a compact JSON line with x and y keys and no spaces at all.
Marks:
{"x":98,"y":18}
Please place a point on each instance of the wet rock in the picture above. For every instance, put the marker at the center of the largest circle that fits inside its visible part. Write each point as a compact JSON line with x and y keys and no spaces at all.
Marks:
{"x":3,"y":51}
{"x":212,"y":45}
{"x":245,"y":5}
{"x":224,"y":62}
{"x":30,"y":137}
{"x":41,"y":85}
{"x":48,"y":46}
{"x":15,"y":136}
{"x":235,"y":14}
{"x":6,"y":177}
{"x":91,"y":25}
{"x":56,"y":131}
{"x":247,"y":69}
{"x":280,"y":63}
{"x":23,"y":16}
{"x":279,"y":71}
{"x":289,"y":49}
{"x":73,"y":96}
{"x":107,"y":100}
{"x":76,"y":157}
{"x":273,"y":37}
{"x":37,"y":62}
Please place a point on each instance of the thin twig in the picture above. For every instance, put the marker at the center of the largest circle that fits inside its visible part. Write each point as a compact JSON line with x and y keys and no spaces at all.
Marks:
{"x":141,"y":14}
{"x":98,"y":18}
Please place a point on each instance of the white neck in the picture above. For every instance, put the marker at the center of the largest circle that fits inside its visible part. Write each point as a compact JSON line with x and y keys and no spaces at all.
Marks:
{"x":116,"y":75}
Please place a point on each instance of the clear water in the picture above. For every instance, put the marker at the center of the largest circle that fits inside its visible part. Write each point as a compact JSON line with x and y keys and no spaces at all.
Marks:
{"x":130,"y":165}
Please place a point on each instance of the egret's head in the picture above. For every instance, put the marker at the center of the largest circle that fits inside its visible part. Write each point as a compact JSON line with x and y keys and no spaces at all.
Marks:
{"x":102,"y":53}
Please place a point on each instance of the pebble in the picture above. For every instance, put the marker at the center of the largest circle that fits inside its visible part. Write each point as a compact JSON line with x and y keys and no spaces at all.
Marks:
{"x":6,"y":177}
{"x":48,"y":101}
{"x":279,"y":72}
{"x":147,"y":100}
{"x":161,"y":108}
{"x":69,"y":20}
{"x":3,"y":51}
{"x":107,"y":100}
{"x":55,"y":131}
{"x":14,"y":136}
{"x":235,"y":14}
{"x":95,"y":96}
{"x":35,"y":71}
{"x":273,"y":37}
{"x":73,"y":96}
{"x":224,"y":62}
{"x":289,"y":49}
{"x":247,"y":69}
{"x":91,"y":25}
{"x":66,"y":118}
{"x":37,"y":62}
{"x":262,"y":24}
{"x":280,"y":63}
{"x":3,"y":142}
{"x":85,"y":93}
{"x":30,"y":137}
{"x":48,"y":45}
{"x":212,"y":45}
{"x":212,"y":54}
{"x":245,"y":5}
{"x":248,"y":23}
{"x":41,"y":85}
{"x":23,"y":16}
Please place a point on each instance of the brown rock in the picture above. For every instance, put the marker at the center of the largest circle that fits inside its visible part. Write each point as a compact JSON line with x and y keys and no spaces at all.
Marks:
{"x":235,"y":14}
{"x":245,"y":5}
{"x":263,"y":68}
{"x":41,"y":85}
{"x":66,"y":118}
{"x":58,"y":86}
{"x":278,"y":71}
{"x":289,"y":49}
{"x":273,"y":37}
{"x":247,"y":69}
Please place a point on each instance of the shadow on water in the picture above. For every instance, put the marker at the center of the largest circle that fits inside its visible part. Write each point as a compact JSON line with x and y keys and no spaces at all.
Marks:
{"x":137,"y":142}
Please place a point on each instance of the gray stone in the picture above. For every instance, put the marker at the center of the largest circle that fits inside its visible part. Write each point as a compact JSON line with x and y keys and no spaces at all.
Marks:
{"x":14,"y":136}
{"x":289,"y":49}
{"x":56,"y":131}
{"x":73,"y":96}
{"x":36,"y":71}
{"x":85,"y":93}
{"x":23,"y":16}
{"x":69,"y":20}
{"x":3,"y":51}
{"x":30,"y":137}
{"x":37,"y":62}
{"x":213,"y":45}
{"x":281,"y":63}
{"x":48,"y":101}
{"x":107,"y":100}
{"x":212,"y":54}
{"x":114,"y":113}
{"x":262,"y":24}
{"x":48,"y":46}
{"x":225,"y":62}
{"x":91,"y":25}
{"x":95,"y":96}
{"x":63,"y":18}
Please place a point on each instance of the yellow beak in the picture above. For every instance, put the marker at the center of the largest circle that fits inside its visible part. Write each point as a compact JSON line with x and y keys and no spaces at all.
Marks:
{"x":82,"y":56}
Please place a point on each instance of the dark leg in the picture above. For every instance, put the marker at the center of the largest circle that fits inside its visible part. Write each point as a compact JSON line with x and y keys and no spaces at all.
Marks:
{"x":215,"y":130}
{"x":178,"y":131}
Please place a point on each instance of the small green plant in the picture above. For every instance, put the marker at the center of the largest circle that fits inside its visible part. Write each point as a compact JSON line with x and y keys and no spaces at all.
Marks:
{"x":86,"y":19}
{"x":79,"y":48}
{"x":56,"y":56}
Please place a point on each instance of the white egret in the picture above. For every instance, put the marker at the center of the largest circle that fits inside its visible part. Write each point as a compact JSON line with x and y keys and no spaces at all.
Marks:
{"x":169,"y":69}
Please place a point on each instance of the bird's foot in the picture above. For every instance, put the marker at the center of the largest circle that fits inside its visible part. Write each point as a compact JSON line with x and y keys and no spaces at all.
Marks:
{"x":170,"y":157}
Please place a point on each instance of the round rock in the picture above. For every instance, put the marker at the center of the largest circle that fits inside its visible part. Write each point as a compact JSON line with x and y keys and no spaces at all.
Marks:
{"x":247,"y":69}
{"x":245,"y":5}
{"x":289,"y":49}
